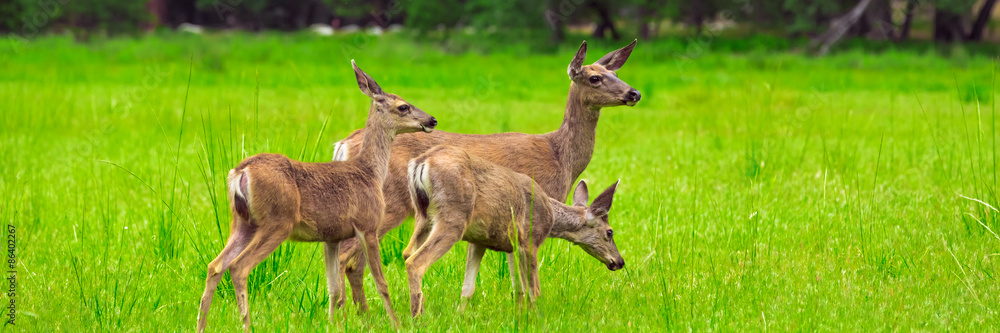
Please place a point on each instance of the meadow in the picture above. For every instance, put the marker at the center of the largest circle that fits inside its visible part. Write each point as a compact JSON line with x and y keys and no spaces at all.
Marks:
{"x":760,"y":189}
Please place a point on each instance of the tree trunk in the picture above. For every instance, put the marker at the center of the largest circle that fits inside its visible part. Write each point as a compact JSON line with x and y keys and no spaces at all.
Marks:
{"x":556,"y":21}
{"x":879,"y":18}
{"x":606,"y":23}
{"x":982,"y":19}
{"x":645,"y":18}
{"x":947,"y":26}
{"x":838,"y":27}
{"x":904,"y":31}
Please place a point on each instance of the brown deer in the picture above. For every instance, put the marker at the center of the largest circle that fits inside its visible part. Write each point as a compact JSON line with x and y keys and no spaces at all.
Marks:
{"x":458,"y":196}
{"x":274,"y":198}
{"x":553,"y":159}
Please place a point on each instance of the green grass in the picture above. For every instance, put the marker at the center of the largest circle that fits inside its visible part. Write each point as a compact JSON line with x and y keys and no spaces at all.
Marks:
{"x":760,"y":190}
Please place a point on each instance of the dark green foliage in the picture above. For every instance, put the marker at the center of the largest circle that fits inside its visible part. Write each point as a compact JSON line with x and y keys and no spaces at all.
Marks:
{"x":425,"y":15}
{"x":27,"y":19}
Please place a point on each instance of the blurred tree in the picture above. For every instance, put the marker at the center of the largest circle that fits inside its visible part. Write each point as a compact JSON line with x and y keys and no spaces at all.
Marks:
{"x":605,"y":23}
{"x":12,"y":14}
{"x":979,"y":26}
{"x":838,"y":27}
{"x":904,"y":30}
{"x":424,"y":15}
{"x":950,"y":17}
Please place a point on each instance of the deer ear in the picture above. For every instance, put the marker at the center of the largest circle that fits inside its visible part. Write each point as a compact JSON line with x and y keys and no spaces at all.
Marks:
{"x":602,"y":204}
{"x":580,"y":196}
{"x":366,"y":82}
{"x":576,"y":65}
{"x":614,"y":60}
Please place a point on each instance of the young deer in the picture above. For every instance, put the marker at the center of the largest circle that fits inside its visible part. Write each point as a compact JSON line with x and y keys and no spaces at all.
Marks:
{"x":459,"y":196}
{"x":554,"y":159}
{"x":274,"y":198}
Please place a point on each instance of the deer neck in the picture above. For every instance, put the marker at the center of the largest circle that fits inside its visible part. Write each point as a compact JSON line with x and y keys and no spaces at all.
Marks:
{"x":566,"y":220}
{"x":376,"y":146}
{"x":574,"y":139}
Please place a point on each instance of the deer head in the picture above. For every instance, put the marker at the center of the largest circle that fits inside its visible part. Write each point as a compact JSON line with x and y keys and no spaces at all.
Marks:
{"x":601,"y":86}
{"x":594,"y":233}
{"x":392,"y":111}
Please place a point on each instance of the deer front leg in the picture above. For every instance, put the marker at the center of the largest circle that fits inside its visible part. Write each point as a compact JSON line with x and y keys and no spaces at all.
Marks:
{"x":371,"y":247}
{"x":526,"y":261}
{"x":352,"y":258}
{"x":473,"y":259}
{"x":334,"y":282}
{"x":534,"y":287}
{"x":352,"y":266}
{"x":515,"y":282}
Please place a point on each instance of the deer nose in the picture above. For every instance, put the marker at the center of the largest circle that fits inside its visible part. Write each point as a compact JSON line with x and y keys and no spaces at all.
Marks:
{"x":634,"y":95}
{"x":433,"y":122}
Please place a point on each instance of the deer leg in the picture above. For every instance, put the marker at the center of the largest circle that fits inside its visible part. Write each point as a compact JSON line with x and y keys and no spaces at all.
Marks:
{"x":534,"y":287}
{"x":352,"y":259}
{"x":238,"y":239}
{"x":473,"y":258}
{"x":375,"y":265}
{"x":264,"y":242}
{"x":440,"y":240}
{"x":420,"y":232}
{"x":524,"y":265}
{"x":515,"y":281}
{"x":334,"y":280}
{"x":352,"y":265}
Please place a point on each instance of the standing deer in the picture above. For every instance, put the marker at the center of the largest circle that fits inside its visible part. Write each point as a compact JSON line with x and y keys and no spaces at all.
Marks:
{"x":555,"y":159}
{"x":458,"y":196}
{"x":274,"y":198}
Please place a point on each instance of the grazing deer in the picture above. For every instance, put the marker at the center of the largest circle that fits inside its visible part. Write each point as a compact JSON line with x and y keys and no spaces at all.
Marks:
{"x":554,"y":159}
{"x":274,"y":198}
{"x":458,"y":196}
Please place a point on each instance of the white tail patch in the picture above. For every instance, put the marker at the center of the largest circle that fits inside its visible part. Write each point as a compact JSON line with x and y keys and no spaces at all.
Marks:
{"x":239,"y":192}
{"x":420,"y":186}
{"x":340,"y":151}
{"x":234,"y":184}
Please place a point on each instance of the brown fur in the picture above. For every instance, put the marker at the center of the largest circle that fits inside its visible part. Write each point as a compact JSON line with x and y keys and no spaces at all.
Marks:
{"x":274,"y":198}
{"x":487,"y":205}
{"x":554,"y":160}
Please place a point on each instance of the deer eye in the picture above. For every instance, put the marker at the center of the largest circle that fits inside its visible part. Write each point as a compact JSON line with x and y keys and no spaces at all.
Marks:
{"x":595,"y":79}
{"x":610,"y":233}
{"x":404,"y":108}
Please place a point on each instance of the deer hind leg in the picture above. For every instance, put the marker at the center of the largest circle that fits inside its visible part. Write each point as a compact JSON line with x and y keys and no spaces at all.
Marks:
{"x":238,"y":238}
{"x":334,"y":282}
{"x":375,"y":265}
{"x":441,"y":239}
{"x":267,"y":238}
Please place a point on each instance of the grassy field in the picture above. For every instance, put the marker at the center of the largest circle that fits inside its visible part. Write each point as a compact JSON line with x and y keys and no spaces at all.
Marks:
{"x":760,"y":190}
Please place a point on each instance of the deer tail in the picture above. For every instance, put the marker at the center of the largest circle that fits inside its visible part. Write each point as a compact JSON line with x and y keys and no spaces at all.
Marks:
{"x":239,"y":193}
{"x":419,"y":186}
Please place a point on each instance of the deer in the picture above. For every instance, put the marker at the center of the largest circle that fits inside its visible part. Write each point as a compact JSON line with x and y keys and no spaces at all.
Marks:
{"x":555,"y":159}
{"x":458,"y":196}
{"x":273,"y":199}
